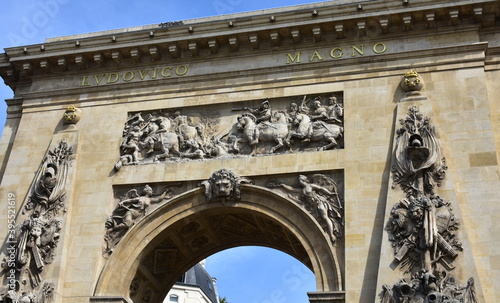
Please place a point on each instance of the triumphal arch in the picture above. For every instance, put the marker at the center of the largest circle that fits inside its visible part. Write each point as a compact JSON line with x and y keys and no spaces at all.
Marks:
{"x":360,"y":137}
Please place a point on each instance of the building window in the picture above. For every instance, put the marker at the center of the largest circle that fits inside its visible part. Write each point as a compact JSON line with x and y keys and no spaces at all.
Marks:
{"x":174,"y":298}
{"x":182,"y":279}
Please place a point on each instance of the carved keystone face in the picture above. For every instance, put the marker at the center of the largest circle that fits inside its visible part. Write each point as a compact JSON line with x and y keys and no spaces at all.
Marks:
{"x":223,"y":187}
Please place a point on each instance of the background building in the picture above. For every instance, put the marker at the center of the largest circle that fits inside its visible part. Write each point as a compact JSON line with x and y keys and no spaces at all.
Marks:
{"x":195,"y":286}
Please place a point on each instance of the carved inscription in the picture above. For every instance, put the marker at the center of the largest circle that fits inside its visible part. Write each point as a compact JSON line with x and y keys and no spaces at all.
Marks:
{"x":336,"y":53}
{"x":135,"y":75}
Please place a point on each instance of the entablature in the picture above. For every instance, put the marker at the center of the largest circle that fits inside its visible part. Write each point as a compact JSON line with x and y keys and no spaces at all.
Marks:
{"x":245,"y":32}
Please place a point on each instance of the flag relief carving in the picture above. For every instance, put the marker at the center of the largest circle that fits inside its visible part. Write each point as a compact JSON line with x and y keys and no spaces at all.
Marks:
{"x":422,"y":228}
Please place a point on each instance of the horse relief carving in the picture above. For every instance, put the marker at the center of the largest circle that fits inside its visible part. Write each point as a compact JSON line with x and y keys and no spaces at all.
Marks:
{"x":169,"y":135}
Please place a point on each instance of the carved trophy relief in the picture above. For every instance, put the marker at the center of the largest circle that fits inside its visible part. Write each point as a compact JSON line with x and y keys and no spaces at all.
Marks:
{"x":422,"y":227}
{"x":320,"y":198}
{"x":34,"y":245}
{"x":419,"y":165}
{"x":422,"y":231}
{"x":171,"y":135}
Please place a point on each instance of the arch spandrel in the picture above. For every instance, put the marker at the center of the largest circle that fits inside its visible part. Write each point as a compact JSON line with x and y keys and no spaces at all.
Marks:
{"x":187,"y":229}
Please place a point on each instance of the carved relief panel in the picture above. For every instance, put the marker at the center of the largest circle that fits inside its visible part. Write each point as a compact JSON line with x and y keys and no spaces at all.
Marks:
{"x":319,"y":194}
{"x":422,"y":227}
{"x":33,"y":243}
{"x":282,"y":125}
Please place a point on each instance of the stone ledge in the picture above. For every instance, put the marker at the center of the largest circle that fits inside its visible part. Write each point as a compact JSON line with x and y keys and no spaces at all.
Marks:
{"x":327,"y":296}
{"x":108,"y":300}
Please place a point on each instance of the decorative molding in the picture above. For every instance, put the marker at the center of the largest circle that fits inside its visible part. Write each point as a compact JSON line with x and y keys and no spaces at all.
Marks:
{"x":118,"y":48}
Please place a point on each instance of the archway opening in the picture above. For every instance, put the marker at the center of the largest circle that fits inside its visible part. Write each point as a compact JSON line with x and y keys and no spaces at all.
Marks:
{"x":178,"y":235}
{"x":246,"y":274}
{"x":259,"y":274}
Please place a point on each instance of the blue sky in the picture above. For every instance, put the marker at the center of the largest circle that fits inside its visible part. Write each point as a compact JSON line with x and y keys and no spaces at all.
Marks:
{"x":245,"y":274}
{"x":260,"y":275}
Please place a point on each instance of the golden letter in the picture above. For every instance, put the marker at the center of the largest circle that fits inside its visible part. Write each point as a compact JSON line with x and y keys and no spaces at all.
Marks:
{"x":85,"y":82}
{"x":163,"y":72}
{"x":360,"y":51}
{"x":125,"y":78}
{"x":339,"y":54}
{"x":143,"y":75}
{"x":292,"y":59}
{"x":384,"y":48}
{"x":113,"y":80}
{"x":179,"y":73}
{"x":98,"y":80}
{"x":154,"y":73}
{"x":316,"y":55}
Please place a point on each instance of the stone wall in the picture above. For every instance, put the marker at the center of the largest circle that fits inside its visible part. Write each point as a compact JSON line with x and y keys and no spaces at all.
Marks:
{"x":458,"y":65}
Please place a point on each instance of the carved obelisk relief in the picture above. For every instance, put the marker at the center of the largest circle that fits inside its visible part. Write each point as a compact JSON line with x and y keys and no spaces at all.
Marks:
{"x":35,"y":266}
{"x":423,"y":258}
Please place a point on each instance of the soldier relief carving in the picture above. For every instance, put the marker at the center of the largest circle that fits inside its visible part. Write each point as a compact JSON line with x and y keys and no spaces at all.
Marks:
{"x":34,"y":244}
{"x":422,"y":227}
{"x":171,"y":135}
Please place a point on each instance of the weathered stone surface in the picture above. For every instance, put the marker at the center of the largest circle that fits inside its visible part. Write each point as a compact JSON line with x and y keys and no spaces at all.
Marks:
{"x":203,"y":73}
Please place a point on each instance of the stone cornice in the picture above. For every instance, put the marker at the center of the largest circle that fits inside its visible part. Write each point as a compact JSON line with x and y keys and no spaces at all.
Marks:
{"x":347,"y":70}
{"x":268,"y":29}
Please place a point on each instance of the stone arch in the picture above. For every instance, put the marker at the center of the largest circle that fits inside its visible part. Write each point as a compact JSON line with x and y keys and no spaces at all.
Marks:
{"x":187,"y":229}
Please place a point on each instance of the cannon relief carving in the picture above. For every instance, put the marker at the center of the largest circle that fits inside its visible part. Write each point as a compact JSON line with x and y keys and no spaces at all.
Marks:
{"x":171,"y":135}
{"x":422,"y":227}
{"x":33,"y":247}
